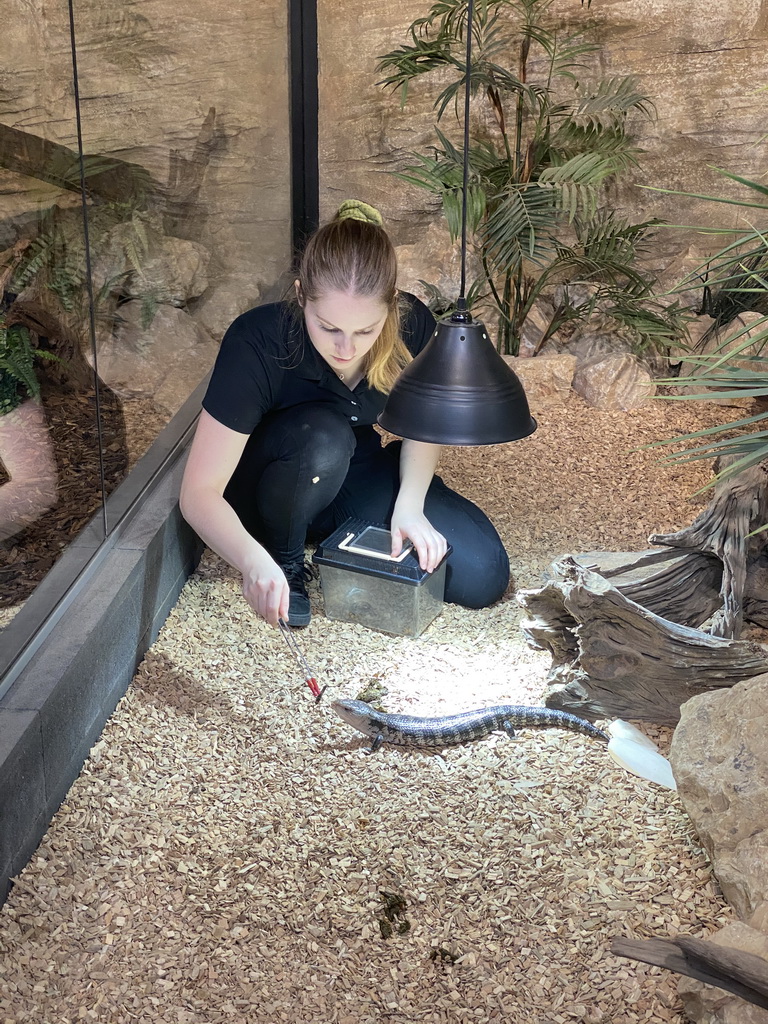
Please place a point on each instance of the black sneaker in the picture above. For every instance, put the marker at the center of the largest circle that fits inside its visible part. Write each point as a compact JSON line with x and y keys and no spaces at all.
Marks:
{"x":298,"y":574}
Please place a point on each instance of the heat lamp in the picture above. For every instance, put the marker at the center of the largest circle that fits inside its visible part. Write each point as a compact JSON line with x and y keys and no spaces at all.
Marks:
{"x":459,"y":390}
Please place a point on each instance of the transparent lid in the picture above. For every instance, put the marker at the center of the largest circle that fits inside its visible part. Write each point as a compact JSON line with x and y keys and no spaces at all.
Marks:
{"x":365,"y":548}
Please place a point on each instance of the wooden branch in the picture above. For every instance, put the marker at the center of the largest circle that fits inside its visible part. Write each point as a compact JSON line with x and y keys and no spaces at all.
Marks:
{"x":748,"y":968}
{"x":756,"y":597}
{"x":631,"y":647}
{"x":26,"y":153}
{"x":686,"y":590}
{"x":611,"y":656}
{"x":740,"y":504}
{"x":733,"y":970}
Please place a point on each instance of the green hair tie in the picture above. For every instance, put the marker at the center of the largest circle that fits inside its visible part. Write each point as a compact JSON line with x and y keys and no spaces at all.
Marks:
{"x":355,"y":209}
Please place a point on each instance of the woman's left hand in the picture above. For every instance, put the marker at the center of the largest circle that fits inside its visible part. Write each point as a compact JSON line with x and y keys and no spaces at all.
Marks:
{"x":429,"y":544}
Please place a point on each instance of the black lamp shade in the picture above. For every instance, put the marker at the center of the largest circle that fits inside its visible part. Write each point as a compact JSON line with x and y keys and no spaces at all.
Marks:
{"x":458,"y":391}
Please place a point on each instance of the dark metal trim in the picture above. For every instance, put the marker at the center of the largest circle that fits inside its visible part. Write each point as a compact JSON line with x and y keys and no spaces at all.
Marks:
{"x":305,"y":168}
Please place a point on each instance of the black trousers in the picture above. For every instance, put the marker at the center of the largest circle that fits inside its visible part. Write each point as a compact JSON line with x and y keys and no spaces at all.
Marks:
{"x":305,"y":470}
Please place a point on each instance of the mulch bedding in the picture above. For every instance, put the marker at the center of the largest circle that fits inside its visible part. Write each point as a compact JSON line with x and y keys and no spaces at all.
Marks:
{"x":230,"y":852}
{"x":127,"y":430}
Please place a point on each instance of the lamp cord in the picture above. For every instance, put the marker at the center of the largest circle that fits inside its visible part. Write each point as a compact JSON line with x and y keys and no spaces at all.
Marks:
{"x":461,"y":303}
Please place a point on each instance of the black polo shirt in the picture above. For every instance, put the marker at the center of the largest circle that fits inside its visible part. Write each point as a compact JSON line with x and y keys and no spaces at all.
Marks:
{"x":267,"y":362}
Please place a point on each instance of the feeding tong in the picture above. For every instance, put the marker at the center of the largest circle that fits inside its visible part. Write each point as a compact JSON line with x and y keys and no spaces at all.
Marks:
{"x":290,"y":639}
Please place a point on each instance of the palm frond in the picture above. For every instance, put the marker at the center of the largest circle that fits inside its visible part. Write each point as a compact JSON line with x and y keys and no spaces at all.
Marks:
{"x":408,"y":62}
{"x":569,"y":140}
{"x":754,"y":185}
{"x":653,"y":325}
{"x":610,"y":237}
{"x":520,"y":226}
{"x":581,"y":169}
{"x":712,"y":199}
{"x":566,"y":54}
{"x":747,"y":421}
{"x":610,"y":102}
{"x":737,"y":344}
{"x":575,"y":183}
{"x":442,"y":305}
{"x":443,"y":177}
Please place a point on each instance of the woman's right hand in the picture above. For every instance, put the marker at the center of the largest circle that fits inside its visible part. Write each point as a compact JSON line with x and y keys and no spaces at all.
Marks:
{"x":215,"y":452}
{"x":265,"y":588}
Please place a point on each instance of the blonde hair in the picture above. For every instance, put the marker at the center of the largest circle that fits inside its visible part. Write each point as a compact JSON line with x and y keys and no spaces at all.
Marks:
{"x":353,"y":253}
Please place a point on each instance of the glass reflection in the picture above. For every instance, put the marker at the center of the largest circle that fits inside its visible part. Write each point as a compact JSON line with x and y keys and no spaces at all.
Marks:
{"x":51,"y":480}
{"x":118,"y":318}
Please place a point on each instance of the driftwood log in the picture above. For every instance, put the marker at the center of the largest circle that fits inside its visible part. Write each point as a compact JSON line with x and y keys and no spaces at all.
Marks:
{"x":739,"y":505}
{"x":743,"y":974}
{"x":636,"y":635}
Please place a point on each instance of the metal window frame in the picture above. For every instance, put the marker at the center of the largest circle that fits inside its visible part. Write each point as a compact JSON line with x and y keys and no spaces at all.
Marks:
{"x":304,"y":105}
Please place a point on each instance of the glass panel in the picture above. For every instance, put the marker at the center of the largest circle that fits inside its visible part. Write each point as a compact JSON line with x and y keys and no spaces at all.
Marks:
{"x":51,"y":483}
{"x":191,"y":116}
{"x":185,"y":128}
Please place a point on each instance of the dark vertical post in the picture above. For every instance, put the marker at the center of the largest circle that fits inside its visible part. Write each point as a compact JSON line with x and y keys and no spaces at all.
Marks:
{"x":305,"y":172}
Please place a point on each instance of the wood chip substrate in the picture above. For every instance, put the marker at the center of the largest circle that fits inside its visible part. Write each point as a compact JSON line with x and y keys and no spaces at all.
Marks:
{"x":232,"y":853}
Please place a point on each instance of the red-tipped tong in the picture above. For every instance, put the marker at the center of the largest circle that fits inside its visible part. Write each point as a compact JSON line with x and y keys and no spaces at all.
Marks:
{"x":290,"y":639}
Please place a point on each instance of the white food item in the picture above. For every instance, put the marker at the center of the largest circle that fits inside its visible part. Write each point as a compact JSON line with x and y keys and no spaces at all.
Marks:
{"x":631,"y":749}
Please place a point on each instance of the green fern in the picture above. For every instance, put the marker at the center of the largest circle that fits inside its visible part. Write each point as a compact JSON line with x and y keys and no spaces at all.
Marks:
{"x":55,"y":259}
{"x":18,"y":380}
{"x":149,"y":307}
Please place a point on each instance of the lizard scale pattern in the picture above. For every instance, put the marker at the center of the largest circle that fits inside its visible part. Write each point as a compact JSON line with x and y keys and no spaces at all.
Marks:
{"x":447,"y":731}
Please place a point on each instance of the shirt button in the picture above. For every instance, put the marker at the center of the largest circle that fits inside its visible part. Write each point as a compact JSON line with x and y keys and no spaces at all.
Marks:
{"x":354,"y":419}
{"x":353,"y":403}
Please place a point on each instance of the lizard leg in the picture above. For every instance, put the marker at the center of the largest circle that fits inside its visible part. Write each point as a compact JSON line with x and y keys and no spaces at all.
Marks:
{"x":508,"y":729}
{"x":376,"y":743}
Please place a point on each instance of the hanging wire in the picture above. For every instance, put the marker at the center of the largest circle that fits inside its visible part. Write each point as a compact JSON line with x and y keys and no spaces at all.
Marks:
{"x":462,"y":301}
{"x":88,"y":279}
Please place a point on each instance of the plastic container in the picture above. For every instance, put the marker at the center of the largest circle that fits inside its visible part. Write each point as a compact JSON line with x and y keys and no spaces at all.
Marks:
{"x":361,"y":582}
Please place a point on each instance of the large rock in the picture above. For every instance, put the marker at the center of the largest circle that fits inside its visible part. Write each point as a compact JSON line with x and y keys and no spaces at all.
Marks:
{"x":535,"y":326}
{"x":600,"y":335}
{"x":709,"y":1005}
{"x":223,"y":303}
{"x":546,"y":379}
{"x":164,"y":360}
{"x":136,"y":259}
{"x":614,"y":383}
{"x":719,"y":757}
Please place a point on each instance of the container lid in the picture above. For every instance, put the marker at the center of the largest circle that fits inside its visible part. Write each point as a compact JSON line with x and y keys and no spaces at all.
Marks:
{"x":364,"y":547}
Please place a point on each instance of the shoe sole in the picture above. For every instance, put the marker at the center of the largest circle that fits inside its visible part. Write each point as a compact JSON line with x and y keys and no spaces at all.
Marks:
{"x":299,"y":621}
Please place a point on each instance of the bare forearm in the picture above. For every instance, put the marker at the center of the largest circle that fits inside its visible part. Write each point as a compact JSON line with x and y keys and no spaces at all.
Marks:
{"x":418,"y":462}
{"x":216,"y":523}
{"x":213,"y":457}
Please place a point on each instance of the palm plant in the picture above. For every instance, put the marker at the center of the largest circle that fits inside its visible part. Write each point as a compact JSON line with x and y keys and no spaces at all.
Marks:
{"x":538,"y":167}
{"x":735,"y":281}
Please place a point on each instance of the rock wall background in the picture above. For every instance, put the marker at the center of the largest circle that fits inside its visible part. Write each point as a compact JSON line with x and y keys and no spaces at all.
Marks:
{"x":150,"y":71}
{"x":703,"y":64}
{"x":196,"y":100}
